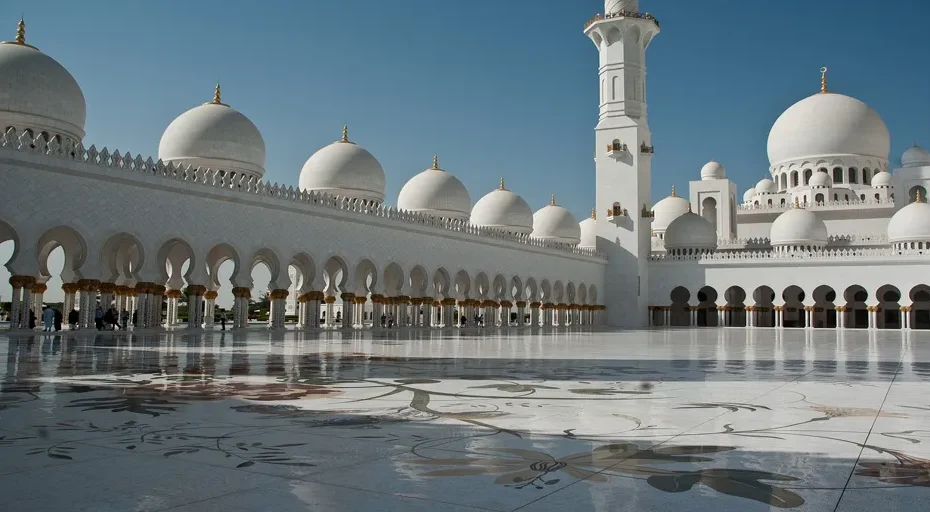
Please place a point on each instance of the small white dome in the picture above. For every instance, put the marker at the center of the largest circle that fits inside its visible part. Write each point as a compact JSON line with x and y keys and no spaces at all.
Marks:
{"x":820,"y":179}
{"x":502,"y":209}
{"x":690,"y":231}
{"x":668,"y":210}
{"x":344,"y":169}
{"x":215,"y":136}
{"x":798,"y":226}
{"x":749,"y":195}
{"x":588,"y":229}
{"x":910,"y":224}
{"x":881,"y":179}
{"x":38,"y":93}
{"x":915,"y":156}
{"x":826,"y":125}
{"x":766,"y":186}
{"x":435,"y":192}
{"x":553,"y":222}
{"x":713,"y":171}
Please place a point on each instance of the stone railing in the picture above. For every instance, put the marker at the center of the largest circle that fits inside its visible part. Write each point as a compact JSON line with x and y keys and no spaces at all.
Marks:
{"x":252,"y":186}
{"x":622,"y":13}
{"x":768,"y":255}
{"x":829,"y":205}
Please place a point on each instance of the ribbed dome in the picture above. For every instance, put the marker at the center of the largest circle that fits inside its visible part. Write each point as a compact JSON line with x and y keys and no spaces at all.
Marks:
{"x":915,"y":156}
{"x":825,"y":125}
{"x":690,"y":231}
{"x":344,"y":169}
{"x":749,"y":195}
{"x":910,"y":224}
{"x":882,"y":180}
{"x":553,"y":222}
{"x":766,"y":186}
{"x":37,"y":93}
{"x":215,"y":136}
{"x":502,"y":209}
{"x":435,"y":192}
{"x":798,"y":226}
{"x":713,"y":171}
{"x":668,"y":210}
{"x":588,"y":228}
{"x":821,"y":179}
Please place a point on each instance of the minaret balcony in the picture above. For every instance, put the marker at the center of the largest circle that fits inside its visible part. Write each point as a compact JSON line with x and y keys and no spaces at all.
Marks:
{"x":616,"y":214}
{"x":617,"y":150}
{"x":622,"y":13}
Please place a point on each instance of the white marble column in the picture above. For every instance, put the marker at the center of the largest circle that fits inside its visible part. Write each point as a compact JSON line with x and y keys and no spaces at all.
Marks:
{"x":209,"y":312}
{"x":348,"y":318}
{"x":16,"y":302}
{"x":88,"y":297}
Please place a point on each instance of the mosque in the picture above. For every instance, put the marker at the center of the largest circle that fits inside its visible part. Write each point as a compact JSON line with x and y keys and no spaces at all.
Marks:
{"x":834,"y":239}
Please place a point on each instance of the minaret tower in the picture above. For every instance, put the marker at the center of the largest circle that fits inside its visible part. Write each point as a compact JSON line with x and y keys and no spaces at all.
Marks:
{"x":623,"y":153}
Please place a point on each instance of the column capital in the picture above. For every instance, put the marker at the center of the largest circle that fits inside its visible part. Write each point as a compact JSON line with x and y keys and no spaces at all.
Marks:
{"x":173,"y":294}
{"x":211,"y":295}
{"x":39,"y":288}
{"x":242,"y":291}
{"x":506,"y":304}
{"x":21,"y":281}
{"x":329,"y":299}
{"x":347,"y":296}
{"x":89,"y":285}
{"x":107,"y":287}
{"x":447,"y":302}
{"x":196,"y":289}
{"x":521,"y":303}
{"x":277,"y":294}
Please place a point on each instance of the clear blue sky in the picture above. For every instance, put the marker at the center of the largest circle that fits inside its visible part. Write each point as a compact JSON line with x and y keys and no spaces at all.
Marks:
{"x":495,"y":87}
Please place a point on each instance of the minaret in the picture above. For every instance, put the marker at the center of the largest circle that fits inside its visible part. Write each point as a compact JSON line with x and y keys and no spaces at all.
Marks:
{"x":623,"y":152}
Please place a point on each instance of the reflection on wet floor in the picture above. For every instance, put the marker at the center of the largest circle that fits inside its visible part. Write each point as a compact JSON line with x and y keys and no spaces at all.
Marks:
{"x":689,"y":419}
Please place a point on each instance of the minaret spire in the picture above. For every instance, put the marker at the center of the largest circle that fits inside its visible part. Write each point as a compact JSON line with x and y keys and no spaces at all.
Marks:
{"x":823,"y":80}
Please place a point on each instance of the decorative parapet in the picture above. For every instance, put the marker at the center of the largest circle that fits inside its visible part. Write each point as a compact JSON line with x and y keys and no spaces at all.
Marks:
{"x":252,"y":186}
{"x":622,"y":13}
{"x":830,"y":205}
{"x":819,"y":255}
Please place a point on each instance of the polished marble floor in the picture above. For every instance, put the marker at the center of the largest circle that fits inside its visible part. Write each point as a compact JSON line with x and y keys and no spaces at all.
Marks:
{"x":728,"y":419}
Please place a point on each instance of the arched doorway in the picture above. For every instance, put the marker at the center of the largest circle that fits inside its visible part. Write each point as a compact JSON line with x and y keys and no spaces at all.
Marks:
{"x":707,"y":307}
{"x":889,"y":307}
{"x":709,"y":210}
{"x":680,"y":315}
{"x":794,"y":314}
{"x":824,"y":307}
{"x":764,"y":298}
{"x":920,"y":299}
{"x":857,"y":314}
{"x":735,"y":314}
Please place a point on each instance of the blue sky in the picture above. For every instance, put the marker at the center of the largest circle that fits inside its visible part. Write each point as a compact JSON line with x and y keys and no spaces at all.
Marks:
{"x":496,"y":88}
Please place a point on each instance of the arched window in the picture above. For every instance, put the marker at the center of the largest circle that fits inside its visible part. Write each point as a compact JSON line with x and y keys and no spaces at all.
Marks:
{"x":862,"y":197}
{"x":807,"y":176}
{"x":836,"y":197}
{"x":818,"y":199}
{"x":794,"y":178}
{"x":770,"y":202}
{"x":837,"y":175}
{"x":865,"y":176}
{"x":853,"y":175}
{"x":783,"y":201}
{"x":878,"y":197}
{"x":912,"y":193}
{"x":613,"y":88}
{"x":784,"y":181}
{"x":709,"y":210}
{"x":846,"y":197}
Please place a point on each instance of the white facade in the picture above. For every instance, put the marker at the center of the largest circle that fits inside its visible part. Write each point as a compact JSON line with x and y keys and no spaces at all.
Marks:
{"x":811,"y":246}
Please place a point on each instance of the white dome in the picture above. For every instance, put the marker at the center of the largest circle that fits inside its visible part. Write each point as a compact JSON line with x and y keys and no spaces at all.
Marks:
{"x":915,"y":156}
{"x":435,"y":192}
{"x":668,"y":210}
{"x":825,"y":125}
{"x":215,"y":136}
{"x":37,"y":93}
{"x":820,"y":179}
{"x":749,"y":195}
{"x":766,"y":186}
{"x":690,"y":231}
{"x":553,"y":222}
{"x":910,"y":224}
{"x":502,"y":209}
{"x":713,"y":171}
{"x":881,"y":179}
{"x":588,"y":229}
{"x":798,"y":227}
{"x":344,"y":169}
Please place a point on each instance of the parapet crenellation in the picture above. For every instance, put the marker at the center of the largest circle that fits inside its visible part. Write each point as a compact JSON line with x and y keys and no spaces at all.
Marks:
{"x":797,"y":254}
{"x":253,"y":186}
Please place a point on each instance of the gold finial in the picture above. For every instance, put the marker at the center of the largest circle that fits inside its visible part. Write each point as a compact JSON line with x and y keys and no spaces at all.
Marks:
{"x":797,"y":203}
{"x":918,"y":198}
{"x":21,"y":31}
{"x":436,"y":162}
{"x":216,"y":95}
{"x":345,"y":133}
{"x":673,"y":192}
{"x":502,"y":187}
{"x":594,"y":213}
{"x":552,"y":200}
{"x":823,"y":80}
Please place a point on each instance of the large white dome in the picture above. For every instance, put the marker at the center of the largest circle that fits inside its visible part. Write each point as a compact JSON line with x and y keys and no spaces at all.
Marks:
{"x":910,"y":224}
{"x":690,"y":231}
{"x":798,"y":226}
{"x":435,"y":192}
{"x":915,"y":156}
{"x":713,"y":171}
{"x":667,"y":210}
{"x":502,"y":209}
{"x":553,"y":222}
{"x":588,"y":229}
{"x":344,"y":169}
{"x":37,"y":93}
{"x":216,"y":136}
{"x":825,"y":125}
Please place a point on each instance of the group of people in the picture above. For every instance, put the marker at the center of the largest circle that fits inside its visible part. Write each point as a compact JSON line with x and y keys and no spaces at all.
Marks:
{"x":111,"y":320}
{"x":387,"y":321}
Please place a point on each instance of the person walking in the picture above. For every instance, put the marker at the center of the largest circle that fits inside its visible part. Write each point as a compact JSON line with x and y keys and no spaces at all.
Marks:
{"x":98,"y":318}
{"x":124,"y":320}
{"x":48,"y":317}
{"x":73,"y":318}
{"x":223,"y":320}
{"x":58,"y":319}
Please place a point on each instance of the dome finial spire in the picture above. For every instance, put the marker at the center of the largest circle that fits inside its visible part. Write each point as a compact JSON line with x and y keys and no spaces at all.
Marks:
{"x":345,"y":133}
{"x":552,"y":200}
{"x":823,"y":80}
{"x":21,"y":31}
{"x":217,"y":99}
{"x":436,"y":162}
{"x":673,"y":192}
{"x":502,"y":187}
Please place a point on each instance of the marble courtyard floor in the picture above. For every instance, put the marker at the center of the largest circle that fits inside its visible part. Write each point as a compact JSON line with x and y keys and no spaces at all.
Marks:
{"x":709,"y":419}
